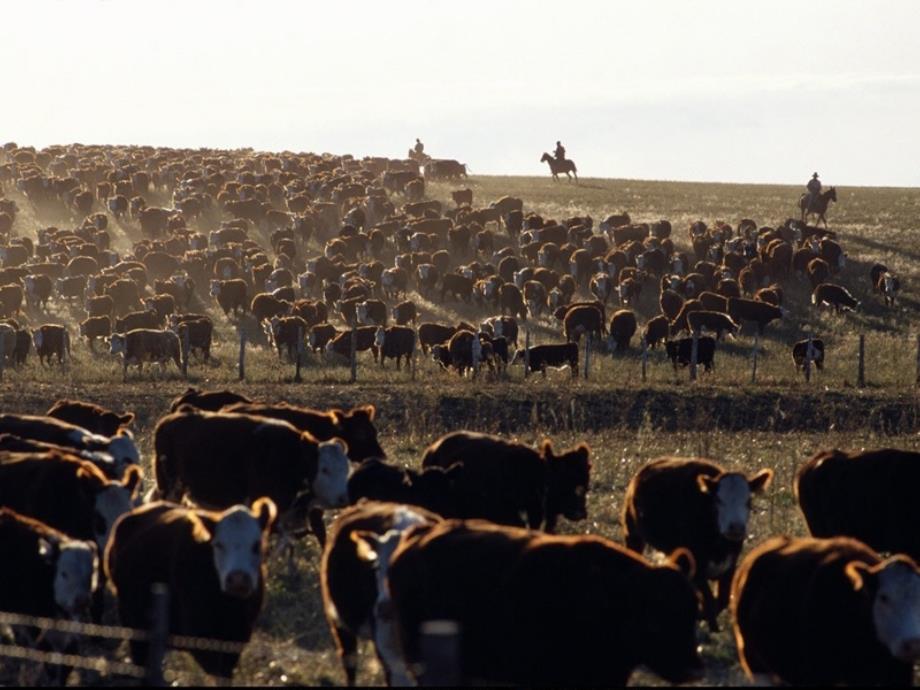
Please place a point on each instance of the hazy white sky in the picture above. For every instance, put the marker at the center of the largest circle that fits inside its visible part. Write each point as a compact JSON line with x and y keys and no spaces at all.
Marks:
{"x":697,"y":90}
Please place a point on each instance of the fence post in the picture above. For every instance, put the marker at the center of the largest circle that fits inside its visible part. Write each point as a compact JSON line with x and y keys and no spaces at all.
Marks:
{"x":587,"y":355}
{"x":3,"y":356}
{"x":414,"y":354}
{"x":440,"y":651}
{"x":754,"y":358}
{"x":159,"y":631}
{"x":527,"y":354}
{"x":297,"y":378}
{"x":861,"y":374}
{"x":186,"y":346}
{"x":354,"y":353}
{"x":242,"y":363}
{"x":694,"y":354}
{"x":808,"y":356}
{"x":644,"y":357}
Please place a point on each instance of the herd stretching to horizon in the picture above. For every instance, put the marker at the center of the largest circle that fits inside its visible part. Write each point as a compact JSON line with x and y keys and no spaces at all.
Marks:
{"x":323,"y":251}
{"x":467,"y":537}
{"x":315,"y":247}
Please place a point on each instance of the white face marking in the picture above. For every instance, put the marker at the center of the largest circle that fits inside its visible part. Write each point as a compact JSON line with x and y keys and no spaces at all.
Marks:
{"x":468,"y":273}
{"x":111,"y":503}
{"x":123,"y":449}
{"x":237,"y":547}
{"x":38,"y":338}
{"x":896,"y":610}
{"x":387,"y":278}
{"x":733,"y":506}
{"x":75,"y":576}
{"x":215,"y":288}
{"x":841,"y":261}
{"x":362,"y":313}
{"x":621,"y":291}
{"x":889,"y":283}
{"x":498,"y":327}
{"x":380,"y":337}
{"x":330,"y":486}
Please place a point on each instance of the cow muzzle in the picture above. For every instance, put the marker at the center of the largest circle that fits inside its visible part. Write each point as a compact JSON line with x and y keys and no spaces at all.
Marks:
{"x":909,"y":650}
{"x":736,"y":532}
{"x":238,"y":584}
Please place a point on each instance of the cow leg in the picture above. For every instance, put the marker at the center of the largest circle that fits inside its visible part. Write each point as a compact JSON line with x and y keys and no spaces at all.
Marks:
{"x":710,"y":612}
{"x":346,"y":643}
{"x":317,"y":525}
{"x":725,"y":586}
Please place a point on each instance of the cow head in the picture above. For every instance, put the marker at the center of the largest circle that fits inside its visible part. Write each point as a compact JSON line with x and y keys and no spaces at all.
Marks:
{"x":357,"y":428}
{"x":122,"y":447}
{"x":238,"y":539}
{"x":113,"y":500}
{"x":731,"y":499}
{"x":215,"y":288}
{"x":116,"y":343}
{"x":76,"y":568}
{"x":568,"y":481}
{"x":380,"y":335}
{"x":892,"y":588}
{"x":330,"y":484}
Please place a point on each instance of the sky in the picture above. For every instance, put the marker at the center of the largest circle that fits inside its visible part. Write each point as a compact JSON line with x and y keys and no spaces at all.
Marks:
{"x":702,"y":90}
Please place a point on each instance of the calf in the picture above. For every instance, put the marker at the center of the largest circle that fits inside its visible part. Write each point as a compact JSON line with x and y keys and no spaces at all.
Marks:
{"x":622,"y":329}
{"x":680,"y":352}
{"x":611,"y":594}
{"x":120,"y":448}
{"x":213,"y":565}
{"x":51,"y":341}
{"x":714,"y":321}
{"x":583,"y":318}
{"x":287,"y":333}
{"x":888,"y":285}
{"x":395,"y":342}
{"x":695,"y":504}
{"x":405,"y":313}
{"x":541,"y":357}
{"x":145,"y":345}
{"x":354,"y":426}
{"x":354,"y":596}
{"x":231,"y":295}
{"x":320,"y":335}
{"x":656,"y":331}
{"x":198,"y":333}
{"x":511,"y":299}
{"x":430,"y":334}
{"x":762,"y":313}
{"x":511,"y":479}
{"x":800,"y":350}
{"x":432,"y":488}
{"x":93,"y":418}
{"x":827,"y":612}
{"x":468,"y":350}
{"x":365,"y":339}
{"x":830,"y":295}
{"x":220,"y":459}
{"x":95,"y":327}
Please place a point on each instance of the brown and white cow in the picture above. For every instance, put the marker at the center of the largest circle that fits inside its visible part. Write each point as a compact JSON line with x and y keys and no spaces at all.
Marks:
{"x":827,"y":612}
{"x":146,"y":345}
{"x":693,"y":503}
{"x":91,"y":417}
{"x":213,"y":564}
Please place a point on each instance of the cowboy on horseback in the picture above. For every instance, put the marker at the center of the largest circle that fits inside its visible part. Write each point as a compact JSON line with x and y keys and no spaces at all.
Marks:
{"x":419,"y":147}
{"x":559,"y":152}
{"x":814,"y":191}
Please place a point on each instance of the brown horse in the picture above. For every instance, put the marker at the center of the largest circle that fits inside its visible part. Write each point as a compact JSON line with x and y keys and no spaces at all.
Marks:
{"x":564,"y":166}
{"x":819,"y":206}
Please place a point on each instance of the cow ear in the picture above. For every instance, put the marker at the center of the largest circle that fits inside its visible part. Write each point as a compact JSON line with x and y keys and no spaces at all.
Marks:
{"x":47,"y":550}
{"x":366,"y":544}
{"x":127,"y":433}
{"x":706,"y":483}
{"x":684,"y":561}
{"x":126,"y":418}
{"x":760,"y":481}
{"x":341,"y":444}
{"x":368,"y":410}
{"x":546,"y":449}
{"x":265,"y":512}
{"x":584,"y":451}
{"x":132,"y":479}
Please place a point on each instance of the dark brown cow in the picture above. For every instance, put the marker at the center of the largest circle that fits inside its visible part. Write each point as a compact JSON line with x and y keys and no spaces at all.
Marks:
{"x":198,"y":333}
{"x":210,"y":401}
{"x":91,"y":417}
{"x":622,"y":328}
{"x":656,"y":330}
{"x":405,"y":313}
{"x":51,"y":340}
{"x":350,"y":586}
{"x":148,"y":318}
{"x":828,"y":294}
{"x":100,"y":305}
{"x":680,"y":352}
{"x":542,"y":357}
{"x":583,"y":318}
{"x":695,"y":504}
{"x":818,"y":272}
{"x":146,"y":345}
{"x":95,"y":327}
{"x":365,"y":339}
{"x":395,"y":342}
{"x":354,"y":426}
{"x":212,"y":563}
{"x":125,"y":296}
{"x":714,"y":321}
{"x":761,"y":313}
{"x":265,"y":307}
{"x":800,"y":350}
{"x":221,"y":459}
{"x":612,"y":594}
{"x":287,"y":333}
{"x":320,"y":336}
{"x":512,"y":479}
{"x":430,"y":334}
{"x":231,"y":295}
{"x":855,"y":615}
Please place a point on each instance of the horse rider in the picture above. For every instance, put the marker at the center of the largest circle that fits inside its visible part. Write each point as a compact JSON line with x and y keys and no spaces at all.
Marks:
{"x":419,"y":147}
{"x":814,"y":190}
{"x":560,"y":151}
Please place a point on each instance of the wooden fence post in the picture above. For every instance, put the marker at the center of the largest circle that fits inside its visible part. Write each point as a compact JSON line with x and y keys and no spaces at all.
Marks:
{"x":861,"y":373}
{"x":694,"y":354}
{"x":809,"y":353}
{"x":354,"y":353}
{"x":297,"y":378}
{"x":644,"y":357}
{"x":527,"y":353}
{"x":414,"y":354}
{"x":159,"y":631}
{"x":3,"y":357}
{"x":242,"y":363}
{"x":587,"y":355}
{"x":186,"y":346}
{"x":440,"y":651}
{"x":918,"y":359}
{"x":754,"y":358}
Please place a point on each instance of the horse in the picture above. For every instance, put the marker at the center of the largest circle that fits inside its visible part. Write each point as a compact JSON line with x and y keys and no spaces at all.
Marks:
{"x":564,"y":166}
{"x":420,"y":158}
{"x":819,"y":205}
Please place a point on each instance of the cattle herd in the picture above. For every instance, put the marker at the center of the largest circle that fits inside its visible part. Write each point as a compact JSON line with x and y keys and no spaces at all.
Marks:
{"x":242,"y":232}
{"x":468,"y":537}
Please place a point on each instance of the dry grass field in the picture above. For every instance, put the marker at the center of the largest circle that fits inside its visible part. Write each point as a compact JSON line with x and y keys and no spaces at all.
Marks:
{"x":777,"y":422}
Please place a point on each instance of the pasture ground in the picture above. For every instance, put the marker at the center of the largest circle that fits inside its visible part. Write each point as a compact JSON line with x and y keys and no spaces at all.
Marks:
{"x":777,"y":422}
